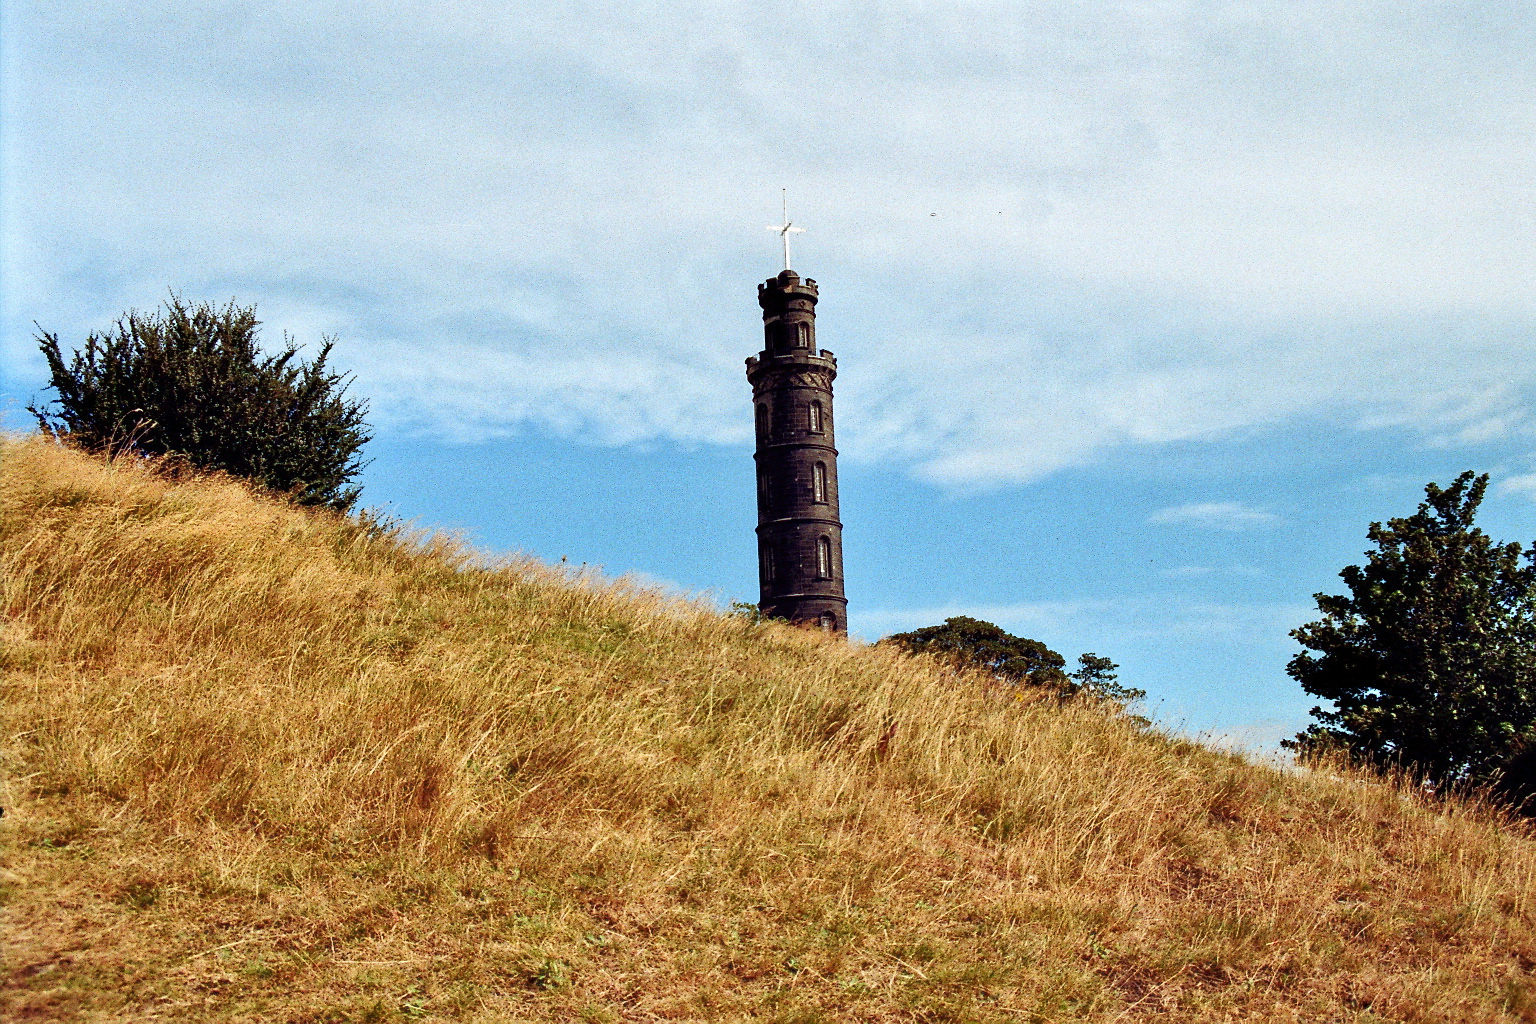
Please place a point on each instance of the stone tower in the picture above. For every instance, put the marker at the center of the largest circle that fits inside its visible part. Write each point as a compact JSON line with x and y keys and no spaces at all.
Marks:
{"x":799,"y":535}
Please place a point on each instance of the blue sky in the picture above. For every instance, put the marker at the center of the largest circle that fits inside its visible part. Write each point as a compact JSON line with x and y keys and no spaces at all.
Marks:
{"x":1143,"y":311}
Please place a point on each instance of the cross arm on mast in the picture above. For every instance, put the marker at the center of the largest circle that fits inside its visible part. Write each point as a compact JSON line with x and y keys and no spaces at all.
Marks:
{"x":786,"y":229}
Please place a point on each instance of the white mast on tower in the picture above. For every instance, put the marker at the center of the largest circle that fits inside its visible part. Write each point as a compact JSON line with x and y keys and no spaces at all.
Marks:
{"x":786,"y":229}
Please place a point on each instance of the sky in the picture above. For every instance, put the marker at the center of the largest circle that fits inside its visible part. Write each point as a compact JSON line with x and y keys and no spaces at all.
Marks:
{"x":1143,"y":311}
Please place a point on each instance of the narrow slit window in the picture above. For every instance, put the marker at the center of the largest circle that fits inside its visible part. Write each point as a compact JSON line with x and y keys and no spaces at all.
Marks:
{"x":819,"y":483}
{"x":762,"y":420}
{"x":767,"y":557}
{"x":824,"y":558}
{"x":802,"y":335}
{"x":814,"y":417}
{"x":762,"y":488}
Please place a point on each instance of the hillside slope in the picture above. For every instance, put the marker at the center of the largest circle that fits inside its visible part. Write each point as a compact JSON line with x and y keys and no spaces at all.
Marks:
{"x":266,"y":765}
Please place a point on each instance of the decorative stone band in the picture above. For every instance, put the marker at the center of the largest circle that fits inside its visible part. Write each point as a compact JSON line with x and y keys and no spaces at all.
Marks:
{"x":770,"y":377}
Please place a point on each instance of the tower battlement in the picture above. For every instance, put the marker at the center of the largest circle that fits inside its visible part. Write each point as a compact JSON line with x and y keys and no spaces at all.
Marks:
{"x":765,"y":360}
{"x":787,"y":284}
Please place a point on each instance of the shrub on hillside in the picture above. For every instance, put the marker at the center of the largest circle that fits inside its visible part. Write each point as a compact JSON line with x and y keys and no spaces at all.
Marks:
{"x":974,"y":643}
{"x":192,"y":382}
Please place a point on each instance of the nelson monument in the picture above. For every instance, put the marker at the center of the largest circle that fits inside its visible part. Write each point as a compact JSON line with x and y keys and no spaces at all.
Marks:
{"x":799,"y":534}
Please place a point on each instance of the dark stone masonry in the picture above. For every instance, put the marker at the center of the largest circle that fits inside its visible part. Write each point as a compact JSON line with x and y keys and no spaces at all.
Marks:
{"x":799,"y":535}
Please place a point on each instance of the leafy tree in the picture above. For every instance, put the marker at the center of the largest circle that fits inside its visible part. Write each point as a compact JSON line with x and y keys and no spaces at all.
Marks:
{"x":191,"y":382}
{"x":1430,"y":660}
{"x":973,"y":643}
{"x":1097,"y":676}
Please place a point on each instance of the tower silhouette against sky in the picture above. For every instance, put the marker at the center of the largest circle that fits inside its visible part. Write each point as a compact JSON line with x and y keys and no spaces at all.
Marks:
{"x":799,"y":535}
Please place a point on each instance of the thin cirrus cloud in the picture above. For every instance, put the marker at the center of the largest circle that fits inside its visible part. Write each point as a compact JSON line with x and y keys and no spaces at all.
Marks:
{"x":1044,"y":232}
{"x":1214,"y":515}
{"x":1523,"y":484}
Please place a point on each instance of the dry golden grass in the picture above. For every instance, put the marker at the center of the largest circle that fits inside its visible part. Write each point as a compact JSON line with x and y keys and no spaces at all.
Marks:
{"x":269,"y":765}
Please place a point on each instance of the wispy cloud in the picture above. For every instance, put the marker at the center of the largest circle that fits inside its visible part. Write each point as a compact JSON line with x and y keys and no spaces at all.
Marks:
{"x":1524,"y":484}
{"x":1215,"y":515}
{"x":1045,"y":232}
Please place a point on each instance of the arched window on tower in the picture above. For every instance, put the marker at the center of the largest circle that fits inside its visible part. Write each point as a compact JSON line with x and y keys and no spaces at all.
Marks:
{"x":762,"y":488}
{"x":762,"y":420}
{"x":828,"y":621}
{"x":802,"y":335}
{"x":819,"y":483}
{"x":813,"y":417}
{"x":824,"y":558}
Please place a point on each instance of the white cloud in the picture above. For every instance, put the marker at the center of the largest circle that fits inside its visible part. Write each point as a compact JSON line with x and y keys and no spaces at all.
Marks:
{"x":1044,"y":232}
{"x":1524,"y":484}
{"x":1215,"y":515}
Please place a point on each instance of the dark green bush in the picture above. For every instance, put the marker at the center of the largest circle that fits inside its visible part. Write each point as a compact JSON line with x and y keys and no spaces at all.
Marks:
{"x":191,"y":382}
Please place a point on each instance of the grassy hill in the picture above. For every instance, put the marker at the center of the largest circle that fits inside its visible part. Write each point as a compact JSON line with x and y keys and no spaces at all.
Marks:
{"x":268,"y":765}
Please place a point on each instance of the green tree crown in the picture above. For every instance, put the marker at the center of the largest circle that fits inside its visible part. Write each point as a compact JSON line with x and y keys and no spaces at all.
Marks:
{"x":192,"y":382}
{"x":974,"y":643}
{"x":1430,"y":659}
